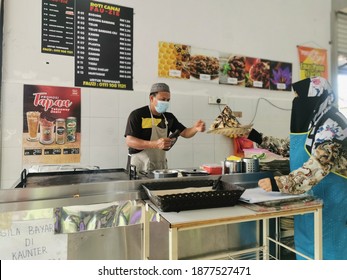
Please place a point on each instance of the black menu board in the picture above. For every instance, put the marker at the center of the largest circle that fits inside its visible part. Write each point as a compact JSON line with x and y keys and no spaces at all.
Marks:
{"x":103,"y":45}
{"x":58,"y":27}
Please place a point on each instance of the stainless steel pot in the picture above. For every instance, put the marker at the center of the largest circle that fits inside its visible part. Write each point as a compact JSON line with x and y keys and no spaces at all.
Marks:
{"x":250,"y":165}
{"x":164,"y":173}
{"x":232,"y":166}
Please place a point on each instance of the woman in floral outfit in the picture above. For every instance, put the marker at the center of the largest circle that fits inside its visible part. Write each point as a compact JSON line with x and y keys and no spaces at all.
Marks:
{"x":318,"y":164}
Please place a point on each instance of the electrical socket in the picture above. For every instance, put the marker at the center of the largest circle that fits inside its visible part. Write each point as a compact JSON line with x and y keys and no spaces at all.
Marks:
{"x":216,"y":100}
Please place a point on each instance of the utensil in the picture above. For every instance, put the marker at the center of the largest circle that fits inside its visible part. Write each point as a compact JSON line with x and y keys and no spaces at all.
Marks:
{"x":232,"y":166}
{"x":250,"y":165}
{"x":164,"y":173}
{"x":194,"y":172}
{"x":173,"y":137}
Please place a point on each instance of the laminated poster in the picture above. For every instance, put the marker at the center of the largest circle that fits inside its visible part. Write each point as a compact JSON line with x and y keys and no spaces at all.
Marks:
{"x":51,"y":125}
{"x":280,"y":76}
{"x":257,"y":73}
{"x":185,"y":62}
{"x":232,"y":69}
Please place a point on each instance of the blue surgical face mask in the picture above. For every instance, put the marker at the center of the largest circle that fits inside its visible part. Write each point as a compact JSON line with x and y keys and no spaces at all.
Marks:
{"x":162,"y":106}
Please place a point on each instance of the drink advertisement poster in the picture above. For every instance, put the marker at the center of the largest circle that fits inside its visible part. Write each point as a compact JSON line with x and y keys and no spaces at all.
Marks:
{"x":313,"y":62}
{"x":51,"y":125}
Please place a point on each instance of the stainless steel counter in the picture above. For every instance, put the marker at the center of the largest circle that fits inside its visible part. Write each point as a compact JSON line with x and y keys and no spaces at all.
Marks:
{"x":123,"y":240}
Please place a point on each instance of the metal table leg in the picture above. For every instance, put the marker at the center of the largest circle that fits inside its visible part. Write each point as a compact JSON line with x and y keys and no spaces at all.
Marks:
{"x":318,"y":233}
{"x":173,"y":244}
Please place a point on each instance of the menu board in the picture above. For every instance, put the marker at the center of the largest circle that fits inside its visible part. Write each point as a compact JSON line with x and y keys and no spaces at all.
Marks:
{"x":58,"y":27}
{"x":104,"y":45}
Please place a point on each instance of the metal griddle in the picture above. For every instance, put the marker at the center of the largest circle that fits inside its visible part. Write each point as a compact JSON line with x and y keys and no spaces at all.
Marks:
{"x":57,"y":178}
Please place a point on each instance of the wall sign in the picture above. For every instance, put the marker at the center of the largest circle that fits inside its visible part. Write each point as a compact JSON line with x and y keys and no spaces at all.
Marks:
{"x":104,"y":45}
{"x":58,"y":27}
{"x":32,"y":240}
{"x":51,"y":124}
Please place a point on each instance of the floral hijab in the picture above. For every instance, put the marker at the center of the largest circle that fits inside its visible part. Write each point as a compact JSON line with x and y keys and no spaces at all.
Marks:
{"x":314,"y":112}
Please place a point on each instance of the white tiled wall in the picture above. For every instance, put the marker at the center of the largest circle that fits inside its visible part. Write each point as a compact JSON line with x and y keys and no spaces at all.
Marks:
{"x":104,"y":112}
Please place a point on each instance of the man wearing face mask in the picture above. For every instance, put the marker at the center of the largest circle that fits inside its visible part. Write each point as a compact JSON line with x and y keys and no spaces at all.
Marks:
{"x":148,"y":128}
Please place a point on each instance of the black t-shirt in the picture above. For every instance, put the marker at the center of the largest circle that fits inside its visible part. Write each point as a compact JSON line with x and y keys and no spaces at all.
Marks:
{"x":139,"y":124}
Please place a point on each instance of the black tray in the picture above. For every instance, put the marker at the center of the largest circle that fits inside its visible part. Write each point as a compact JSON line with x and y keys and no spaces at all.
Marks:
{"x":226,"y":194}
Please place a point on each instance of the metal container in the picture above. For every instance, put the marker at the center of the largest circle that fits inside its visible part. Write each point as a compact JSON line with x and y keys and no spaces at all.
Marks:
{"x":165,"y":173}
{"x":232,"y":166}
{"x":250,"y":165}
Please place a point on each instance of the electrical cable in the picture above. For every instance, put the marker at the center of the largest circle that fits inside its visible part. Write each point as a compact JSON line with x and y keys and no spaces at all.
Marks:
{"x":256,"y":107}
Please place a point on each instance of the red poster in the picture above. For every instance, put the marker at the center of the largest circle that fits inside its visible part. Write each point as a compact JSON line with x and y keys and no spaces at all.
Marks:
{"x":51,"y":125}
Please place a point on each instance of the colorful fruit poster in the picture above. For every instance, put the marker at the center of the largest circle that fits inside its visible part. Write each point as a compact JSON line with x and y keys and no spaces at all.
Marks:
{"x":51,"y":125}
{"x":313,"y":62}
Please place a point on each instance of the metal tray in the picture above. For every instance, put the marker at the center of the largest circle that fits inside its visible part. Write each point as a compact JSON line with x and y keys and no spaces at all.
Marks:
{"x":193,"y":195}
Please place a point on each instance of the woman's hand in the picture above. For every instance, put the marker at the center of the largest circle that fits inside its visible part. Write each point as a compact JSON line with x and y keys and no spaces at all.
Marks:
{"x":265,"y":184}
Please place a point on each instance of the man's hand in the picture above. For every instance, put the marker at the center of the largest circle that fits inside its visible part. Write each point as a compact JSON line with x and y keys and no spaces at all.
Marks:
{"x":163,"y":143}
{"x":200,"y":126}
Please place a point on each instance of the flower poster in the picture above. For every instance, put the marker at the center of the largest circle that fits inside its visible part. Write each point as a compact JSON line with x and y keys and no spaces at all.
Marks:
{"x":51,"y":125}
{"x":313,"y":62}
{"x":280,"y":76}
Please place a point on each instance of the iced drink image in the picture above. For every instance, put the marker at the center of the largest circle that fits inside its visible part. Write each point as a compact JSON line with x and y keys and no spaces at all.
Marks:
{"x":33,"y":118}
{"x":47,"y":132}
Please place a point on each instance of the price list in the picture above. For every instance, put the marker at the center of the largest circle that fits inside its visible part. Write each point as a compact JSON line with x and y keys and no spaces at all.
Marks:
{"x":103,"y":45}
{"x":33,"y":152}
{"x":58,"y":27}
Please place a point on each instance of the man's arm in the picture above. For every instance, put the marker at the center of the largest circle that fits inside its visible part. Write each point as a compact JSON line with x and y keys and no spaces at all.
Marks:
{"x":189,"y":132}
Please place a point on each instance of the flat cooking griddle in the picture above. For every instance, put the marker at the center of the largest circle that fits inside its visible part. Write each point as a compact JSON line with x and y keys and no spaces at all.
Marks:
{"x":56,"y":178}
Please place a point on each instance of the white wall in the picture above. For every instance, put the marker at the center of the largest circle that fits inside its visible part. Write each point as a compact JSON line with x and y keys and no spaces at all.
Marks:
{"x":268,"y":29}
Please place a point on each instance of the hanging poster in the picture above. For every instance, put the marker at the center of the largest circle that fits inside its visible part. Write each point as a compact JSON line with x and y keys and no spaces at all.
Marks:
{"x":313,"y":62}
{"x":104,"y":45}
{"x":51,"y":124}
{"x":232,"y":69}
{"x":58,"y":27}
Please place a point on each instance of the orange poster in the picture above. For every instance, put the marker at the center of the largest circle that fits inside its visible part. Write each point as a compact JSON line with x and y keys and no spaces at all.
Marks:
{"x":313,"y":62}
